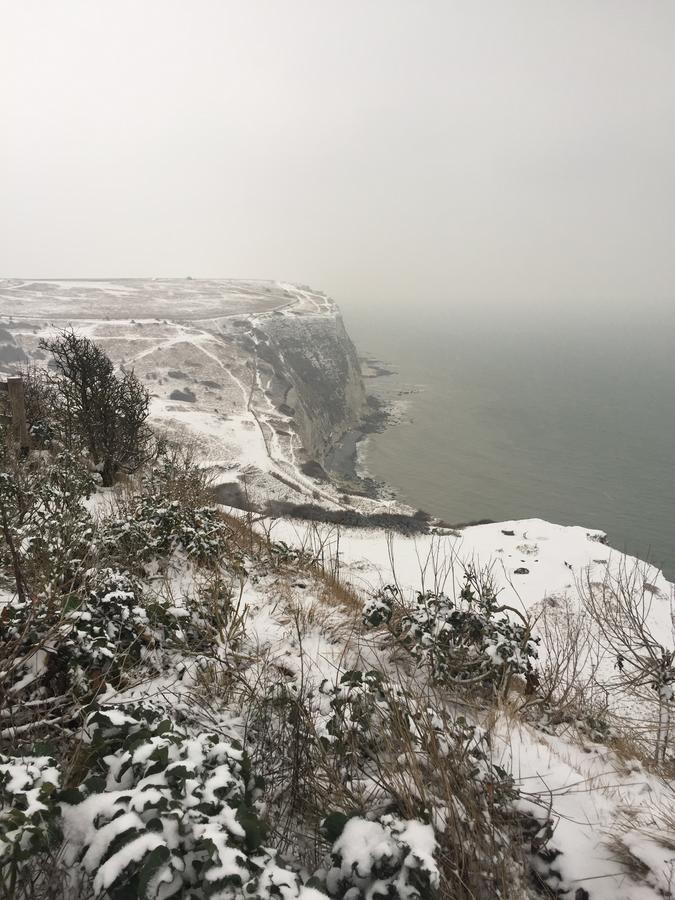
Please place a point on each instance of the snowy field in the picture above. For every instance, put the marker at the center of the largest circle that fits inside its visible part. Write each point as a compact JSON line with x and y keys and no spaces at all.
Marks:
{"x":598,"y":800}
{"x":147,"y":298}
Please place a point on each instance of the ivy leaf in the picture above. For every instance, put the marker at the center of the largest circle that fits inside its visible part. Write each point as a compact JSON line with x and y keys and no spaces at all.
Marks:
{"x":95,"y":784}
{"x":71,"y":796}
{"x":254,"y":829}
{"x":119,"y":841}
{"x":333,"y":825}
{"x":154,"y":861}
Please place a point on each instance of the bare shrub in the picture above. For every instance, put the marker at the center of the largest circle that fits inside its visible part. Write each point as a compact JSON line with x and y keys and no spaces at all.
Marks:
{"x":179,"y":473}
{"x":568,"y":686}
{"x":623,"y":608}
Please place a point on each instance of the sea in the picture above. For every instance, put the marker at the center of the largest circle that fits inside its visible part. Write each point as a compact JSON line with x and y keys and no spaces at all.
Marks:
{"x":567,"y":419}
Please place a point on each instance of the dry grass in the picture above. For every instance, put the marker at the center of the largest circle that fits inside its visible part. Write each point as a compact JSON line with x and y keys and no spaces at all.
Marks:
{"x":644,"y":844}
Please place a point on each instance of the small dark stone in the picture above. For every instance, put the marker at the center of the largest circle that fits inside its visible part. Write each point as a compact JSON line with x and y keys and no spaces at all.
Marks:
{"x":187,"y":396}
{"x":521,"y":571}
{"x":508,"y":533}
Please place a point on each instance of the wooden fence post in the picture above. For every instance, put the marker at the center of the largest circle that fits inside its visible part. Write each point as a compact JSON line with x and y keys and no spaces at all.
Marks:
{"x":17,"y":412}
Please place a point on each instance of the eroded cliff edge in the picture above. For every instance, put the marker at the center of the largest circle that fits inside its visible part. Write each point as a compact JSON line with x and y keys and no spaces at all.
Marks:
{"x":315,"y":376}
{"x":262,"y":374}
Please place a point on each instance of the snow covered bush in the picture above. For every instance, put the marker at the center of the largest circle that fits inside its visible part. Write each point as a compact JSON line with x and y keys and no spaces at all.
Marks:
{"x":162,"y":810}
{"x":378,"y":608}
{"x":77,"y":642}
{"x":282,"y":554}
{"x":389,"y":857}
{"x":169,"y":813}
{"x":28,"y":814}
{"x":165,"y":512}
{"x":373,"y":719}
{"x":43,"y":498}
{"x":112,"y":626}
{"x":469,"y":641}
{"x":463,"y":643}
{"x":361,"y":704}
{"x":156,"y":527}
{"x":459,"y":741}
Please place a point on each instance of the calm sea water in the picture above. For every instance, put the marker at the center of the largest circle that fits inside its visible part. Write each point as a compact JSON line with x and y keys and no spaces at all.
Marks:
{"x":571,"y":424}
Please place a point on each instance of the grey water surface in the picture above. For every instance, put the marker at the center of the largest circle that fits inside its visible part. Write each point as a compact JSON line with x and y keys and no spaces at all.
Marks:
{"x":573,"y":422}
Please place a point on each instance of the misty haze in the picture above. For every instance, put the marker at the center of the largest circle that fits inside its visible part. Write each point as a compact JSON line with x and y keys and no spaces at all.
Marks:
{"x":337,"y":450}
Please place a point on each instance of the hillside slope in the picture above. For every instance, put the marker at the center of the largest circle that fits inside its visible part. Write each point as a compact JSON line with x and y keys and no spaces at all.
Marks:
{"x":262,"y":374}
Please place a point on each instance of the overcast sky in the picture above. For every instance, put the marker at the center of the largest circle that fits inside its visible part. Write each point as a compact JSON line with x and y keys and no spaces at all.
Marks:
{"x":486,"y":153}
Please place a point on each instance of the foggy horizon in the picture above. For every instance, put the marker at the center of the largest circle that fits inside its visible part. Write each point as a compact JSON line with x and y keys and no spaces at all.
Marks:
{"x":492,"y":155}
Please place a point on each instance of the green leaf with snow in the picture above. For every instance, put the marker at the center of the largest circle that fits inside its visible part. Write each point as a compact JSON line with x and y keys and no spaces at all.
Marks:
{"x":153,"y":865}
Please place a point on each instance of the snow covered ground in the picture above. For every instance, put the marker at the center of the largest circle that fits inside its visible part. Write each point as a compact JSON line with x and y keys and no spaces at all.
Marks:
{"x":598,"y":803}
{"x":598,"y":800}
{"x":531,"y":561}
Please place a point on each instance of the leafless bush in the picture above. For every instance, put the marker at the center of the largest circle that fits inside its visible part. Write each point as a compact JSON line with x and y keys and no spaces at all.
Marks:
{"x":568,"y":683}
{"x":180,"y":472}
{"x":626,"y":611}
{"x":44,"y":877}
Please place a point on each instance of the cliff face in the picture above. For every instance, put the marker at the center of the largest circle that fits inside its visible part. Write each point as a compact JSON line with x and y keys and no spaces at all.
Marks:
{"x":316,"y":374}
{"x":262,"y":374}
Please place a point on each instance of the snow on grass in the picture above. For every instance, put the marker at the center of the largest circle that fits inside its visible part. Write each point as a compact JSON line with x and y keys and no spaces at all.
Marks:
{"x":555,"y":556}
{"x":224,"y":441}
{"x":587,"y":791}
{"x":586,"y":788}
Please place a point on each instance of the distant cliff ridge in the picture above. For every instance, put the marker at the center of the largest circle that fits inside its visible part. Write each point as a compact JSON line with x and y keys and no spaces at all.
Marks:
{"x":263,"y":374}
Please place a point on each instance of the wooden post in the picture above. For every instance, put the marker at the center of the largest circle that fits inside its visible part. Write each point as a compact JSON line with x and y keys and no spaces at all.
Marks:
{"x":5,"y":411}
{"x":17,"y":408}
